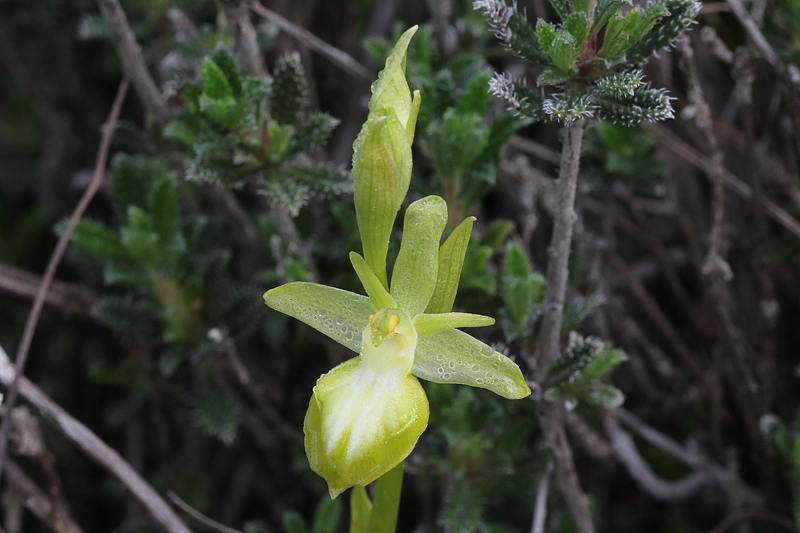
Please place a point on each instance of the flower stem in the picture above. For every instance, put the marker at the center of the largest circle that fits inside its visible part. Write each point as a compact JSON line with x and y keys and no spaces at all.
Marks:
{"x":387,"y":501}
{"x":551,"y":415}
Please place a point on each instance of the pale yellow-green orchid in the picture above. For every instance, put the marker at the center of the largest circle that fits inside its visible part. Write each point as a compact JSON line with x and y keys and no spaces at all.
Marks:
{"x":366,"y":415}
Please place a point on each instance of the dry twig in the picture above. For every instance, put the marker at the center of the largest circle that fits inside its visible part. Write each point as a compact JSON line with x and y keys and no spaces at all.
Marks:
{"x":55,"y":260}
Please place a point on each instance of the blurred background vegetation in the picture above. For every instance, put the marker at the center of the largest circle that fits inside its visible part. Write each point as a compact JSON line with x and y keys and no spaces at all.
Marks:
{"x":155,"y":335}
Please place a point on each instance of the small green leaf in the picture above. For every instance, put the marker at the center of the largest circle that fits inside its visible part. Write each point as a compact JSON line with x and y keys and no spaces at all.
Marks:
{"x":546,"y":33}
{"x":378,"y":295}
{"x":564,"y":51}
{"x":227,"y":64}
{"x":312,"y":133}
{"x":476,"y":97}
{"x":97,"y":239}
{"x":568,"y":366}
{"x":575,"y":24}
{"x":552,"y":76}
{"x":293,"y":522}
{"x":415,"y":271}
{"x":603,"y":362}
{"x":287,"y":92}
{"x":339,"y":314}
{"x":164,"y":206}
{"x":430,"y":324}
{"x":523,"y":289}
{"x":214,"y":411}
{"x":452,"y":356}
{"x":451,"y":260}
{"x":214,"y":80}
{"x":601,"y":395}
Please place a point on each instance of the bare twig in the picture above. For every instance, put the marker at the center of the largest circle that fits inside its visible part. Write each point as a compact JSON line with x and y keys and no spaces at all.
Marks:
{"x":746,"y":514}
{"x":336,"y":56}
{"x":71,"y":299}
{"x":691,"y":458}
{"x":540,"y":509}
{"x":687,"y":152}
{"x":91,"y":444}
{"x":55,"y":259}
{"x":132,"y":63}
{"x":46,"y":508}
{"x":197,"y":516}
{"x":551,"y":416}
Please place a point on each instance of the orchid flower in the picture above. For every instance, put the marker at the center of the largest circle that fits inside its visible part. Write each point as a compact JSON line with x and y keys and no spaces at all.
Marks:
{"x":366,"y":415}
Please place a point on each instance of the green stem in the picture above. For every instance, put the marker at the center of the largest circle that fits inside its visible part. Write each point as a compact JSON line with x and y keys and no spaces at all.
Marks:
{"x":360,"y":510}
{"x":387,"y":501}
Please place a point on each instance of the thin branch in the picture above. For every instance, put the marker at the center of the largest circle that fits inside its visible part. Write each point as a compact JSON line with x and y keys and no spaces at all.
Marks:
{"x":132,"y":63}
{"x":48,"y":509}
{"x":746,"y":514}
{"x":68,"y":298}
{"x":551,"y":416}
{"x":55,"y":259}
{"x":674,"y":143}
{"x":92,"y":446}
{"x":198,"y":517}
{"x":336,"y":56}
{"x":540,"y":509}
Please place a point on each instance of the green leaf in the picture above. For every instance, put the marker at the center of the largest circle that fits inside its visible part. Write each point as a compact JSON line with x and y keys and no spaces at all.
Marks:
{"x":227,"y":64}
{"x":681,"y":13}
{"x":476,"y":97}
{"x":416,"y":269}
{"x":312,"y":132}
{"x":451,"y":260}
{"x":604,"y":11}
{"x":293,"y":522}
{"x":601,"y":395}
{"x":327,"y":516}
{"x":620,"y":33}
{"x":128,"y":318}
{"x":139,"y":236}
{"x":523,"y":289}
{"x":430,"y":324}
{"x":546,"y":33}
{"x":214,"y":80}
{"x":181,"y":132}
{"x":575,"y":24}
{"x":360,"y":510}
{"x":602,"y":363}
{"x":523,"y":40}
{"x":378,"y":295}
{"x":327,"y":181}
{"x":455,"y":141}
{"x":214,"y":412}
{"x":339,"y":314}
{"x":287,"y":90}
{"x":98,"y":240}
{"x":568,"y":366}
{"x":131,"y":180}
{"x":382,"y":173}
{"x":164,"y":206}
{"x":564,"y":51}
{"x":452,"y":356}
{"x":552,"y":76}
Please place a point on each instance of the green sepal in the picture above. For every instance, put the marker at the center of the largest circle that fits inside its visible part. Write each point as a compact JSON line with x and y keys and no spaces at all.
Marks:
{"x":360,"y":425}
{"x":451,"y":260}
{"x":391,"y":88}
{"x":382,"y":173}
{"x":378,"y":295}
{"x":415,"y":271}
{"x":431,"y":324}
{"x":452,"y":356}
{"x":339,"y":314}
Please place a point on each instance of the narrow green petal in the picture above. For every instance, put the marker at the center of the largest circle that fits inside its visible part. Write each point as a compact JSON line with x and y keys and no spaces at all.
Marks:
{"x":452,"y":356}
{"x":378,"y":295}
{"x":341,"y":315}
{"x":412,"y":119}
{"x":414,"y":276}
{"x":360,"y":425}
{"x":451,"y":259}
{"x":431,"y":324}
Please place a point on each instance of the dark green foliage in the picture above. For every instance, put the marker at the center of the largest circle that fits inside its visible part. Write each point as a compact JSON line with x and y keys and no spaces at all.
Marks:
{"x":523,"y":291}
{"x":249,"y":128}
{"x":214,"y":412}
{"x":287,"y":91}
{"x":588,"y":82}
{"x":573,"y":377}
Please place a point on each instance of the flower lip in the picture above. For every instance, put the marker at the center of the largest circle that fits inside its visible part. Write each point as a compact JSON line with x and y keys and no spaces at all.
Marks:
{"x":389,"y":341}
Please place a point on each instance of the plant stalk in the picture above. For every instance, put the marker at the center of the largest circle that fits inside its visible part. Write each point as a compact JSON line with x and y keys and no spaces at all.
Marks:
{"x":386,"y":503}
{"x":551,"y":415}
